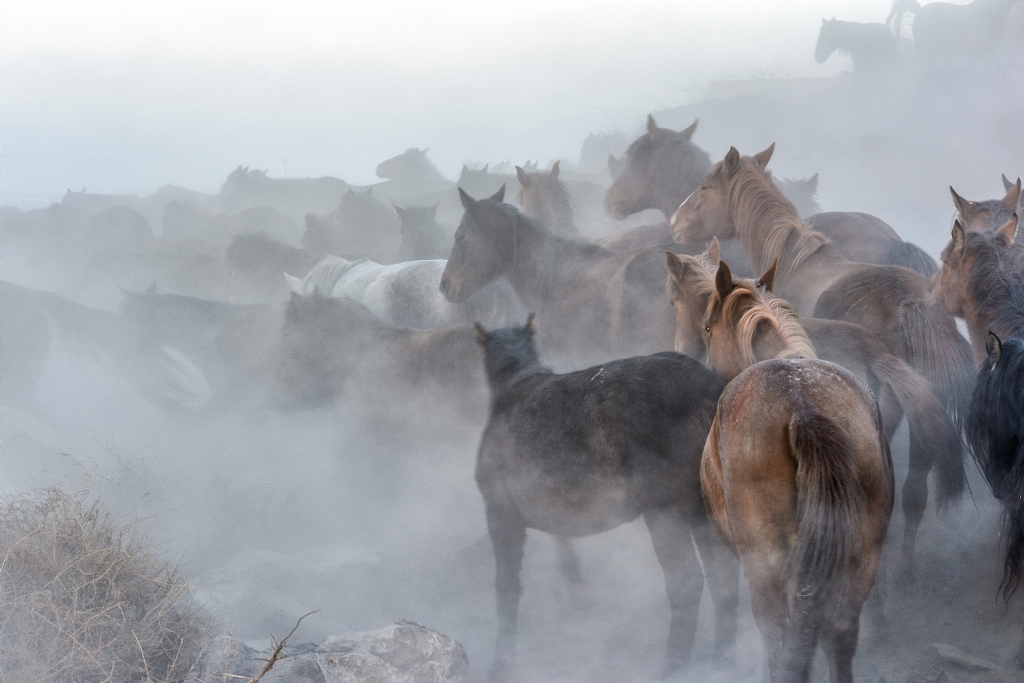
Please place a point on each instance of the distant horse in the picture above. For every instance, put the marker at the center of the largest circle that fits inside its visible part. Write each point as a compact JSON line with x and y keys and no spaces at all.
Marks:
{"x":944,"y":30}
{"x":662,"y":168}
{"x":544,"y":197}
{"x":802,"y":192}
{"x":797,"y":477}
{"x":592,"y":304}
{"x":584,"y":452}
{"x":935,"y":441}
{"x":484,"y":183}
{"x":330,"y":346}
{"x":422,"y":236}
{"x":738,"y":199}
{"x":406,"y":294}
{"x":411,"y":173}
{"x":873,"y":48}
{"x":982,"y":281}
{"x":255,"y":263}
{"x":989,"y":214}
{"x":246,"y":188}
{"x":360,"y":227}
{"x":995,"y":431}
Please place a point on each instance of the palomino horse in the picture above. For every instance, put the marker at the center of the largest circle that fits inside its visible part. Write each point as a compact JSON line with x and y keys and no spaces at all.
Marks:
{"x":873,"y":48}
{"x":797,"y":477}
{"x":406,"y":294}
{"x":982,"y":281}
{"x":738,"y":199}
{"x":592,"y":304}
{"x":898,"y":388}
{"x":581,"y":453}
{"x":988,"y":214}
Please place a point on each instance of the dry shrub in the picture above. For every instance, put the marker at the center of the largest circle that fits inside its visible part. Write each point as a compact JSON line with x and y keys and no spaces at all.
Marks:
{"x":85,"y":599}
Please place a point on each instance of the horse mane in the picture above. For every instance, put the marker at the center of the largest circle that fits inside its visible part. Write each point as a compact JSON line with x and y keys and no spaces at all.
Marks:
{"x":555,"y":195}
{"x":763,"y":308}
{"x":994,"y":280}
{"x":325,"y":274}
{"x":756,"y":201}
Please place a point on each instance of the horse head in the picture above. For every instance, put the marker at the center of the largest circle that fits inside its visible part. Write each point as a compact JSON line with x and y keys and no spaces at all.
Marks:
{"x":482,"y":241}
{"x":689,"y":286}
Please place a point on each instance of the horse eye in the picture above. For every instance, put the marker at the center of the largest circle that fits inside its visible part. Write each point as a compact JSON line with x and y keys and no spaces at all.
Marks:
{"x":707,"y":328}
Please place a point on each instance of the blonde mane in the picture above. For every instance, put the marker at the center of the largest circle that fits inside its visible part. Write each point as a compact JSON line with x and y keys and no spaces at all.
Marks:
{"x":766,"y":222}
{"x":763,"y":308}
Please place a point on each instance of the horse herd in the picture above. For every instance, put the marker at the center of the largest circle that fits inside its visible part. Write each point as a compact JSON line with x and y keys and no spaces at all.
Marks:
{"x":732,"y":374}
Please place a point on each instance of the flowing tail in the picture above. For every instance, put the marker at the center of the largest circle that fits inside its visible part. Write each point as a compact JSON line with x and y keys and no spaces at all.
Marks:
{"x":911,"y":256}
{"x":831,"y":516}
{"x":1012,"y":533}
{"x":899,"y":8}
{"x":938,"y":352}
{"x":928,"y":419}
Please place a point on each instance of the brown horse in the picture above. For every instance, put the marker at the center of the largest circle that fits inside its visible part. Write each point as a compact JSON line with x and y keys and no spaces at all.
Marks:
{"x":899,"y":390}
{"x":982,"y":281}
{"x":544,"y":197}
{"x":797,"y":477}
{"x":738,"y":199}
{"x":989,"y":214}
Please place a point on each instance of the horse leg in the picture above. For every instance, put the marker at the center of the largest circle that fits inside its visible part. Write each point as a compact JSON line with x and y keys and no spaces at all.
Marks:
{"x":508,"y":536}
{"x":683,"y":582}
{"x":769,"y":603}
{"x":722,"y":572}
{"x":568,"y":560}
{"x":915,"y":499}
{"x":840,"y":643}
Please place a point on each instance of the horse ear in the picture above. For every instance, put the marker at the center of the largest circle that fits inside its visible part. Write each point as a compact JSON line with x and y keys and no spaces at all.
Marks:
{"x":465,"y":169}
{"x":688,"y":132}
{"x":1006,"y":183}
{"x":763,"y":157}
{"x":499,"y":196}
{"x":723,"y":279}
{"x":369,"y":191}
{"x":714,"y":249}
{"x":434,"y":208}
{"x":1012,"y":197}
{"x":522,"y":176}
{"x":994,"y":349}
{"x":555,"y":170}
{"x":294,"y":283}
{"x":824,"y":21}
{"x":1009,"y":229}
{"x":732,"y":161}
{"x":962,"y":205}
{"x":484,"y":169}
{"x":959,"y":236}
{"x":531,"y":324}
{"x":481,"y":334}
{"x":652,"y":127}
{"x":467,"y":202}
{"x":768,"y":279}
{"x":399,"y":211}
{"x":676,"y":267}
{"x":812,"y":182}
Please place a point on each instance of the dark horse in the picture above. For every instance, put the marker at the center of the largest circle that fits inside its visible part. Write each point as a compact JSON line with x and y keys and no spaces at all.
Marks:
{"x":873,"y":48}
{"x":581,"y":453}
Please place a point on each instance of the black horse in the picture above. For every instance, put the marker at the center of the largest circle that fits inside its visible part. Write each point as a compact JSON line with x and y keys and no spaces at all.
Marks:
{"x":580,"y":453}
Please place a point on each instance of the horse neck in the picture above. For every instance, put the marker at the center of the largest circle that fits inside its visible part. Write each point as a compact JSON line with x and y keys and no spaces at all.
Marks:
{"x":995,"y":299}
{"x":539,"y":264}
{"x":557,"y":208}
{"x":679,"y":171}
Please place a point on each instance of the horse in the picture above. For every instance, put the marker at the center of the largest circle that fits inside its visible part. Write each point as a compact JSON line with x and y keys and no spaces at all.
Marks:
{"x":873,"y":48}
{"x":592,"y":304}
{"x":995,"y":431}
{"x":255,"y":263}
{"x":982,"y":281}
{"x":944,"y":31}
{"x":989,"y":214}
{"x":406,"y":294}
{"x":483,"y":182}
{"x":411,"y":173}
{"x":246,"y":188}
{"x":797,"y":478}
{"x":360,"y":226}
{"x":738,"y":199}
{"x":662,"y":168}
{"x":584,"y":452}
{"x":544,"y":197}
{"x":899,"y":390}
{"x":802,"y":192}
{"x":422,"y":236}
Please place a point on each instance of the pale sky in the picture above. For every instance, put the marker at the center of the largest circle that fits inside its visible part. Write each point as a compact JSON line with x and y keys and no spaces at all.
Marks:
{"x":127,"y":96}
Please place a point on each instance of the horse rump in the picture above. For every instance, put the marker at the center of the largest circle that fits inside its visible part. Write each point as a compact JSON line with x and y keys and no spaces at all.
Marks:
{"x":911,"y":256}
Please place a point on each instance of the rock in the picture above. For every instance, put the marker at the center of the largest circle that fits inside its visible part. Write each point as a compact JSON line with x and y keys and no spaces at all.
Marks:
{"x":404,"y":652}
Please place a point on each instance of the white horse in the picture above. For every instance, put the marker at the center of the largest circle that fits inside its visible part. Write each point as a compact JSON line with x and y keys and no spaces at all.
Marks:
{"x":408,"y":294}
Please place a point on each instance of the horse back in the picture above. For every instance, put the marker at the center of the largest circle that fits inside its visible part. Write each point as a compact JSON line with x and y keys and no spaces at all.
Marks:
{"x":859,"y":237}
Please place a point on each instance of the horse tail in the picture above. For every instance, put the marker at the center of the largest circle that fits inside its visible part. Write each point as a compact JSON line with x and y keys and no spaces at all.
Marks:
{"x":1012,"y":533}
{"x":911,"y":256}
{"x":928,"y":420}
{"x":831,"y":515}
{"x":937,"y":350}
{"x":899,"y":8}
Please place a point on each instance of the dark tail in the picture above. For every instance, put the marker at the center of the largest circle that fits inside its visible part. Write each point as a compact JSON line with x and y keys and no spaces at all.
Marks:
{"x":937,"y":351}
{"x":899,"y":8}
{"x":911,"y":256}
{"x":831,"y":517}
{"x":1012,"y":534}
{"x":929,"y":419}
